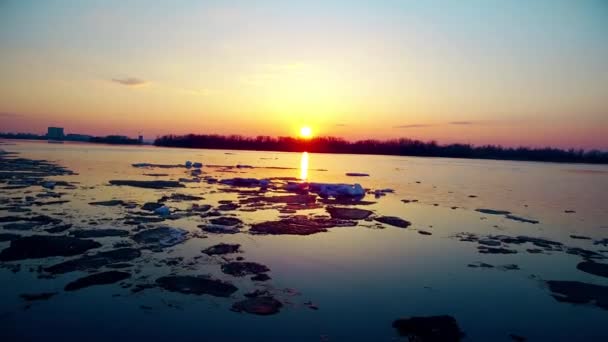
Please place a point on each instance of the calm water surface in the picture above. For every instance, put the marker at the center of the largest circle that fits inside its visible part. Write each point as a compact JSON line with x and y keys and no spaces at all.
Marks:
{"x":361,"y":278}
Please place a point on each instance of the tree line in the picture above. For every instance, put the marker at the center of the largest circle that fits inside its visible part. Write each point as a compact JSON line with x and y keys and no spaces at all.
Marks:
{"x":401,"y":147}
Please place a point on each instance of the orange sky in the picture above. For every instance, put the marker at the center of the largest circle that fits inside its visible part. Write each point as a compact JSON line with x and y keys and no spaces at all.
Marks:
{"x":481,"y":72}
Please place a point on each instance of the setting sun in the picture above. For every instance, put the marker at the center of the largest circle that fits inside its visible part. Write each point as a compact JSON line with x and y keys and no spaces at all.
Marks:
{"x":305,"y":132}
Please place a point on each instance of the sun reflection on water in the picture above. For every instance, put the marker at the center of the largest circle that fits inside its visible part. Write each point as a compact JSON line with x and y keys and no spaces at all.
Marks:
{"x":304,"y":166}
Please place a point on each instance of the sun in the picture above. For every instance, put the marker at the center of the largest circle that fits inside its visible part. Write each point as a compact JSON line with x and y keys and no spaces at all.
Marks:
{"x":305,"y":132}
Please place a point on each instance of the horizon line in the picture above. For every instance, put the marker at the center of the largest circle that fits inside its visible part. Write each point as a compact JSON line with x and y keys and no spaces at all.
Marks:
{"x":297,"y":138}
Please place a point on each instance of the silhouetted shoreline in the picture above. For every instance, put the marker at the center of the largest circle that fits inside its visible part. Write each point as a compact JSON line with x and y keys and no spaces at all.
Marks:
{"x":400,"y":147}
{"x":109,"y":139}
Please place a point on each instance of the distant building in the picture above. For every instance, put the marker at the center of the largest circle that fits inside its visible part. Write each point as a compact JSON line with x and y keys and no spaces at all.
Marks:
{"x":55,"y":133}
{"x":140,"y":139}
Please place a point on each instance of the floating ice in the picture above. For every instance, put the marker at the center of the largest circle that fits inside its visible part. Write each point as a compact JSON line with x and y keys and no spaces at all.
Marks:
{"x":188,"y":164}
{"x":326,"y":190}
{"x":48,"y":185}
{"x":197,"y":165}
{"x":219,"y":229}
{"x":246,"y":182}
{"x":357,"y":174}
{"x":161,"y":237}
{"x":163,"y":211}
{"x":382,"y":192}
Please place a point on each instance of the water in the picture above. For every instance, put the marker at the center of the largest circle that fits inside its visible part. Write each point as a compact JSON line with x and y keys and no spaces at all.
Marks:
{"x":361,"y":278}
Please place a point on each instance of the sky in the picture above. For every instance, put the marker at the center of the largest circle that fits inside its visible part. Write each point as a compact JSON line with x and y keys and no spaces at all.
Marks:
{"x":514,"y":73}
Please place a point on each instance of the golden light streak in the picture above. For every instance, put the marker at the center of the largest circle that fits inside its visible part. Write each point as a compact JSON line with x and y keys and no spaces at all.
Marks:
{"x":304,"y":166}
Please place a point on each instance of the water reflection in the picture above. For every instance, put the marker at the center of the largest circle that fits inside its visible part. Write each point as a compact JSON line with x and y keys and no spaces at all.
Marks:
{"x":304,"y":166}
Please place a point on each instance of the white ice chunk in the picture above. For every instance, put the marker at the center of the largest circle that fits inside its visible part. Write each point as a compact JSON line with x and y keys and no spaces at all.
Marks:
{"x":48,"y":185}
{"x":163,"y":211}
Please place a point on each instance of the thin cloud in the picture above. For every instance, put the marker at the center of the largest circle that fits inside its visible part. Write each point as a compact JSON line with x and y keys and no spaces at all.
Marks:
{"x":462,"y":123}
{"x":341,"y":125}
{"x":130,"y":81}
{"x":413,"y":126}
{"x":451,"y":123}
